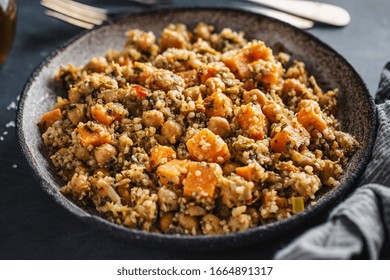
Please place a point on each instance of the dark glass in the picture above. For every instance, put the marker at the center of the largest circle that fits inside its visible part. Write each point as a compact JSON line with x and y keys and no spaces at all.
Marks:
{"x":8,"y":15}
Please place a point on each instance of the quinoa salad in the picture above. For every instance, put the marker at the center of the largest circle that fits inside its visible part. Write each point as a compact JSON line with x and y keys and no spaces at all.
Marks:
{"x":195,"y":132}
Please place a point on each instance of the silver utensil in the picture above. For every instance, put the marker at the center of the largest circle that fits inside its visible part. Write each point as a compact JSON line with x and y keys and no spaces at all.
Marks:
{"x":319,"y":12}
{"x":87,"y":16}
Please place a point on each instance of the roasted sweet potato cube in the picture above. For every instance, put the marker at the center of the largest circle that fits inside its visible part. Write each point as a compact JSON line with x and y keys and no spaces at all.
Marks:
{"x":246,"y":172}
{"x":251,"y":118}
{"x":173,"y":172}
{"x":49,"y":118}
{"x":206,"y":146}
{"x":310,"y":115}
{"x":293,"y":135}
{"x":160,"y":155}
{"x":237,"y":64}
{"x":190,"y":77}
{"x":93,"y":137}
{"x":218,"y":105}
{"x":201,"y":180}
{"x":108,"y":113}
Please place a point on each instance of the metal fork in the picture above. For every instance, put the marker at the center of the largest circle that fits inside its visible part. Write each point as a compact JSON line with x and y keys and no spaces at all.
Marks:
{"x":83,"y":15}
{"x":86,"y":16}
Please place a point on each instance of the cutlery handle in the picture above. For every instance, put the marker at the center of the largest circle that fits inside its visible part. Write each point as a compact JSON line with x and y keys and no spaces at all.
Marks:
{"x":299,"y":22}
{"x":320,"y":12}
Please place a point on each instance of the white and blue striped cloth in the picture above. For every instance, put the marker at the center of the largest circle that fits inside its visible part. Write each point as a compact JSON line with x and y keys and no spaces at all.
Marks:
{"x":360,"y":226}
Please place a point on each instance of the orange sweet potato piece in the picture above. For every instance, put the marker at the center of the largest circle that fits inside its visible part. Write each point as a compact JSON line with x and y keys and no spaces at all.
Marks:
{"x":255,"y":55}
{"x":310,"y":115}
{"x":173,"y":172}
{"x":49,"y":118}
{"x":293,"y":135}
{"x":252,"y":119}
{"x":206,"y":146}
{"x":207,"y":71}
{"x":140,"y":91}
{"x":246,"y":172}
{"x":218,"y":105}
{"x":105,"y":114}
{"x":99,"y":113}
{"x":201,"y":180}
{"x":190,"y":77}
{"x":89,"y":137}
{"x":161,"y":155}
{"x":271,"y":110}
{"x":238,"y":65}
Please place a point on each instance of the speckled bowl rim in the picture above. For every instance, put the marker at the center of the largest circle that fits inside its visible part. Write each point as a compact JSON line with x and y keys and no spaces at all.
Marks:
{"x":199,"y":243}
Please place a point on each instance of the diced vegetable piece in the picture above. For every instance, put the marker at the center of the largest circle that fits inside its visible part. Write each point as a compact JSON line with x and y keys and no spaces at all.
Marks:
{"x":161,"y":155}
{"x":140,"y":91}
{"x":251,"y":118}
{"x":207,"y":71}
{"x":108,"y":113}
{"x":218,"y":104}
{"x":99,"y":113}
{"x":142,"y":71}
{"x":246,"y":172}
{"x":310,"y":115}
{"x":293,"y":135}
{"x":255,"y":60}
{"x":293,"y":84}
{"x":201,"y":180}
{"x":173,"y":172}
{"x":237,"y":64}
{"x":297,"y":204}
{"x":95,"y":138}
{"x":190,"y":77}
{"x":49,"y":118}
{"x":271,"y":111}
{"x":206,"y":146}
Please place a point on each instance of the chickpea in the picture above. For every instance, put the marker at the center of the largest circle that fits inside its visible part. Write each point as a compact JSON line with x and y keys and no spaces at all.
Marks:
{"x":166,"y":221}
{"x":214,"y":84}
{"x":82,"y":153}
{"x":76,"y":113}
{"x":152,"y":118}
{"x":219,"y":126}
{"x":104,"y":153}
{"x":167,"y":199}
{"x":171,"y":130}
{"x":211,"y":224}
{"x":196,"y":211}
{"x":254,"y":214}
{"x":187,"y":222}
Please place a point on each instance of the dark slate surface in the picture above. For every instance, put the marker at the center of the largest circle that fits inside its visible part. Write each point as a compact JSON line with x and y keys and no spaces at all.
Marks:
{"x":33,"y":226}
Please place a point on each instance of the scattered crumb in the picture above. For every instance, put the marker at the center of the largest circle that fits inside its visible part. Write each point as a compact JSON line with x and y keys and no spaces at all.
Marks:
{"x":5,"y":132}
{"x":1,"y":138}
{"x":14,"y":165}
{"x":10,"y":124}
{"x":12,"y":105}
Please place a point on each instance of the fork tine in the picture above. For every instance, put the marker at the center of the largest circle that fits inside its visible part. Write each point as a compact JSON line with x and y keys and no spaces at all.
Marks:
{"x":70,"y":20}
{"x":80,"y":12}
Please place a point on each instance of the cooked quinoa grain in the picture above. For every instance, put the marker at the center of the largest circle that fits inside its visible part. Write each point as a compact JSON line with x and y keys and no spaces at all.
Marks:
{"x":194,"y":132}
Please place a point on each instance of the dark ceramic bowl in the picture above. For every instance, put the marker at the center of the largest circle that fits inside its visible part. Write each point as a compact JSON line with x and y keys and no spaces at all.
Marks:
{"x":356,"y":112}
